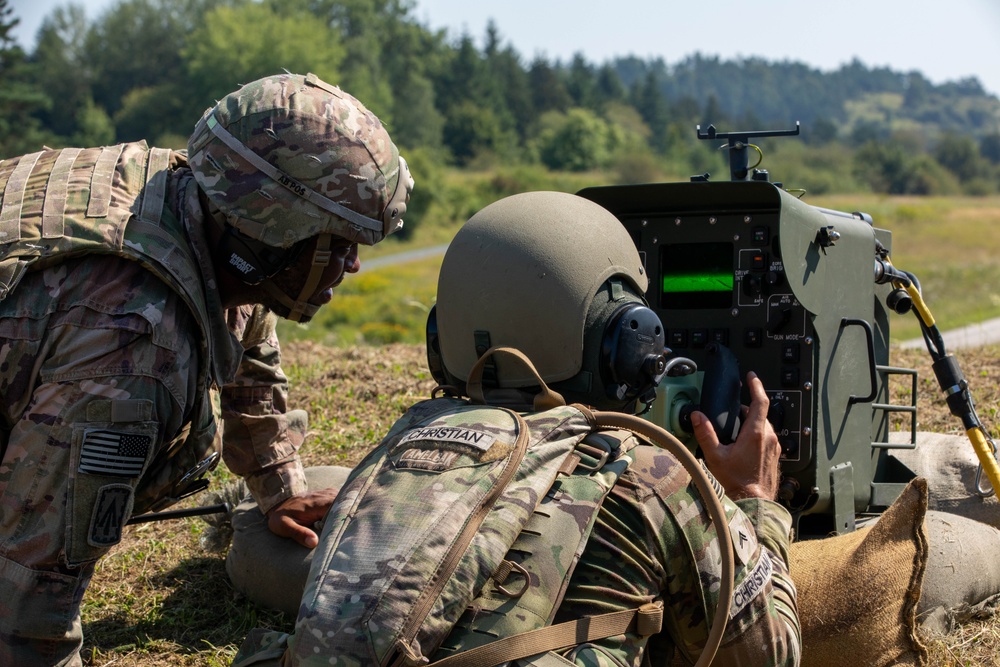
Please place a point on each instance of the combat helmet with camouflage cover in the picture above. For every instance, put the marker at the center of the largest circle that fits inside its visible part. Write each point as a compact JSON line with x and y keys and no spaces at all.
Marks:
{"x":557,"y":277}
{"x":288,"y":158}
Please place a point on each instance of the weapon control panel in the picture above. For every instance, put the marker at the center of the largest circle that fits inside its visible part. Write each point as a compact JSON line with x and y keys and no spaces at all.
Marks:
{"x":719,"y":277}
{"x":716,"y":275}
{"x":789,"y":289}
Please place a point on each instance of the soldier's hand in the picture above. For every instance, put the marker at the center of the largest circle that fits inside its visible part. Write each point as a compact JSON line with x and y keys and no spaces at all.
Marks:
{"x":295,"y":517}
{"x":748,"y":468}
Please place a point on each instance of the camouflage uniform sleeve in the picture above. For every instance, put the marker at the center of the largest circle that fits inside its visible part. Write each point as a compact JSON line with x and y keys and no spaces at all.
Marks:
{"x":653,"y":539}
{"x":763,"y":625}
{"x":766,"y":630}
{"x":88,"y":347}
{"x":261,"y":437}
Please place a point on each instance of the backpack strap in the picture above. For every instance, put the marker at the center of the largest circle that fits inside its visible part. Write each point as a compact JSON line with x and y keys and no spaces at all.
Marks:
{"x":525,"y":591}
{"x":153,"y":195}
{"x":645,"y":621}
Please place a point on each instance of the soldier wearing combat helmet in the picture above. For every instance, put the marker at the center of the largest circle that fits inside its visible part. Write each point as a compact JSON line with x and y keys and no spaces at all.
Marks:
{"x":558,"y":277}
{"x":621,"y":531}
{"x":137,"y":287}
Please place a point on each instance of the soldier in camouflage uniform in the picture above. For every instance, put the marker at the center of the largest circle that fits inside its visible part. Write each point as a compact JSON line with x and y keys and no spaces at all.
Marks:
{"x":558,"y":278}
{"x":140,"y":286}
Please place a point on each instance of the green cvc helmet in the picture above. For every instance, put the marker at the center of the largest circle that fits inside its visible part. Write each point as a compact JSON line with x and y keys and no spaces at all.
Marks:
{"x":557,"y":277}
{"x":290,"y":157}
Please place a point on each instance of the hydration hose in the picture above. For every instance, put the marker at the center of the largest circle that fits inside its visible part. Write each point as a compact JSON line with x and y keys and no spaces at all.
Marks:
{"x":948,"y":374}
{"x":546,"y":398}
{"x":664,"y":439}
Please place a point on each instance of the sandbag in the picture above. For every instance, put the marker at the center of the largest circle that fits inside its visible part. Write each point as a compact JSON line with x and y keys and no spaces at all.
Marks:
{"x":858,"y":593}
{"x":949,"y":465}
{"x":962,"y":579}
{"x":268,"y":569}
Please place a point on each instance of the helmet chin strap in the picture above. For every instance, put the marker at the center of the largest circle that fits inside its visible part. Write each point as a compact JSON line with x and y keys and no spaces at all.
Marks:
{"x":300,"y":310}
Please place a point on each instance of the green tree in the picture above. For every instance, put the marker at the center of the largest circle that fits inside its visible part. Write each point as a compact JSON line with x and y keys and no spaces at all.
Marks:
{"x":411,"y":66}
{"x":515,"y":92}
{"x":548,"y":92}
{"x":823,"y":131}
{"x":364,"y":29}
{"x":133,"y":44}
{"x":581,"y":82}
{"x":960,"y":156}
{"x":609,"y":86}
{"x":464,"y":77}
{"x":93,"y":126}
{"x":19,"y":97}
{"x":989,"y":147}
{"x":416,"y":120}
{"x":473,"y":130}
{"x":890,"y":167}
{"x":649,"y":101}
{"x":713,"y":113}
{"x":577,"y":140}
{"x":240,"y":44}
{"x":507,"y":88}
{"x":62,"y":69}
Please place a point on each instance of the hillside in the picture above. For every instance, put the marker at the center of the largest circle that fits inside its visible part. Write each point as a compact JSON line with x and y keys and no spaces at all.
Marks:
{"x":148,"y":70}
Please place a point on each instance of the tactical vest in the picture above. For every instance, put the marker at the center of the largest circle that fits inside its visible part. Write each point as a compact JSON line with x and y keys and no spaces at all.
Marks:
{"x":462,"y":527}
{"x":59,"y":204}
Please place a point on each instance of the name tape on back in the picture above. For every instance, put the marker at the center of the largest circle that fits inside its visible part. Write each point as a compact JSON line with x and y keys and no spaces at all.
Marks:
{"x":466,"y":436}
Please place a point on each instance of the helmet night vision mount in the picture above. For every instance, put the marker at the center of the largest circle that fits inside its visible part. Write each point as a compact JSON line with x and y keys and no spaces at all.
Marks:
{"x":743,"y":273}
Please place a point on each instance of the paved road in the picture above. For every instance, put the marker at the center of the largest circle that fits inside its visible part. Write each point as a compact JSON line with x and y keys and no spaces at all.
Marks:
{"x":403,"y":257}
{"x":974,"y":335}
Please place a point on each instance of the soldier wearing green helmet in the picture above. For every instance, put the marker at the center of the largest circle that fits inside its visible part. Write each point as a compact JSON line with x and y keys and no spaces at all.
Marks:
{"x":595,"y":547}
{"x":139,"y":289}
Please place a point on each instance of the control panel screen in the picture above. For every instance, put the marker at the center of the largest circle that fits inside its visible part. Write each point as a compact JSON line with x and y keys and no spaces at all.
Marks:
{"x":696,"y":275}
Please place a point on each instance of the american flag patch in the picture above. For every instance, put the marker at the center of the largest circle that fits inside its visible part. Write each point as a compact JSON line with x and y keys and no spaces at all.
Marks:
{"x":114,"y":453}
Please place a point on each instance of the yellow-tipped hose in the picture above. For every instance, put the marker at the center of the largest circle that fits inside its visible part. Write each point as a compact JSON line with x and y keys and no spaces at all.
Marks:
{"x":923,"y":312}
{"x":987,"y":457}
{"x":946,"y":367}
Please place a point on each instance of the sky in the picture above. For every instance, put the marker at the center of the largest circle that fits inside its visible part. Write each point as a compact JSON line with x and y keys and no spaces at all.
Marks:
{"x":944,"y":40}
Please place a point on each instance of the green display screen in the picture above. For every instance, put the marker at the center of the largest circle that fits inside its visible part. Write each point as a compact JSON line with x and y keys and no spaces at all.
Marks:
{"x":699,"y":282}
{"x":696,"y":275}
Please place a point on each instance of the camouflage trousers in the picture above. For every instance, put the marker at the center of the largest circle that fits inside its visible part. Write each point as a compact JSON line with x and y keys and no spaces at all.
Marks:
{"x":81,"y":380}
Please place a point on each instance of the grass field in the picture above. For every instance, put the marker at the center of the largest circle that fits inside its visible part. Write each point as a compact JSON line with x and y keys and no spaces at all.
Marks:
{"x":160,"y":600}
{"x":952,"y":244}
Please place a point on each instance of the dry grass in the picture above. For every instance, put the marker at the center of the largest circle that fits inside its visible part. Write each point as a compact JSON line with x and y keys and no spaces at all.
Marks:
{"x":976,"y":642}
{"x":159,"y":600}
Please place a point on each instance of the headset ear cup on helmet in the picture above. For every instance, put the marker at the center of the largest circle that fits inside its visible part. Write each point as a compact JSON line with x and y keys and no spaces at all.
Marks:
{"x":434,"y":361}
{"x":249,"y":260}
{"x":632,"y":358}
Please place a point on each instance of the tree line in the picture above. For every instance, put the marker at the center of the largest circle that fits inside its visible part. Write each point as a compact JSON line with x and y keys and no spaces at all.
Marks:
{"x":147,"y":69}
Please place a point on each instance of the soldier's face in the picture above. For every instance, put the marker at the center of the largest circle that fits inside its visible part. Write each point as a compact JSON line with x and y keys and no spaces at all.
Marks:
{"x":343,"y":260}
